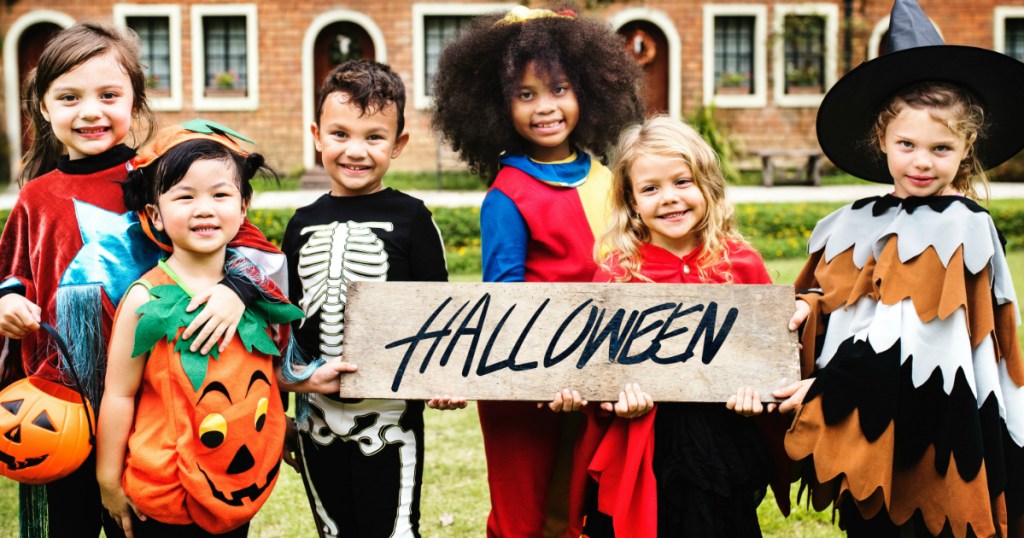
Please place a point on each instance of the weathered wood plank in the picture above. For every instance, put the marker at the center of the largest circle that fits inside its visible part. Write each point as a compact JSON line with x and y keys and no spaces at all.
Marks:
{"x":525,"y":341}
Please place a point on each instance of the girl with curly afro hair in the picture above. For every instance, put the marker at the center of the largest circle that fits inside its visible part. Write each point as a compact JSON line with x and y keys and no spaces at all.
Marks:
{"x":526,"y":98}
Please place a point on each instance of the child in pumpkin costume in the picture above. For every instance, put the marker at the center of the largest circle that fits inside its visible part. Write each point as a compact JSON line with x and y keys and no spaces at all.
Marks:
{"x":912,"y":423}
{"x":192,"y":443}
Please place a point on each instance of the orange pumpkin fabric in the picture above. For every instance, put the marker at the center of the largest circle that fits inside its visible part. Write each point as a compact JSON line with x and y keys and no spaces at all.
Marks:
{"x":209,"y":456}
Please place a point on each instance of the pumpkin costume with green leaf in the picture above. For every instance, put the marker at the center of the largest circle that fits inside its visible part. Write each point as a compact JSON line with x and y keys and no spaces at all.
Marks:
{"x":206,"y":441}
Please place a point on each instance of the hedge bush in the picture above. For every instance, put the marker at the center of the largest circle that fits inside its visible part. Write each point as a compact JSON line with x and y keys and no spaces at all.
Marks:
{"x":776,"y":230}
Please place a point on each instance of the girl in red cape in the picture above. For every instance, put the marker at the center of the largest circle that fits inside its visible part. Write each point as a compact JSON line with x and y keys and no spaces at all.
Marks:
{"x":685,"y":469}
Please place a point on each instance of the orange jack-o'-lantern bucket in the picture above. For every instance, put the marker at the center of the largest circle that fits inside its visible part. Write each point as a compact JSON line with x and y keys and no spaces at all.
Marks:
{"x":46,"y":429}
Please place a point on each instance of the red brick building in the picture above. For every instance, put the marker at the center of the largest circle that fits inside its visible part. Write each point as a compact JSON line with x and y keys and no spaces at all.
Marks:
{"x":255,"y":65}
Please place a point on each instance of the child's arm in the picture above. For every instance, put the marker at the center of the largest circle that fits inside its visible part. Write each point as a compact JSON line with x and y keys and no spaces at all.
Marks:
{"x":325,"y":379}
{"x":226,"y":302}
{"x":18,"y":316}
{"x":124,"y":376}
{"x":503,"y":239}
{"x":218,"y":320}
{"x":793,"y":394}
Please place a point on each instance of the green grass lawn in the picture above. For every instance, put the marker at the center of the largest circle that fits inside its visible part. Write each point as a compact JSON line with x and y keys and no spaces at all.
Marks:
{"x":455,"y":501}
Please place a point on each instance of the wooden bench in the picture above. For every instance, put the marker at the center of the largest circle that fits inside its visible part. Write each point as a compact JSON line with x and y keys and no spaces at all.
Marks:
{"x":812,"y":169}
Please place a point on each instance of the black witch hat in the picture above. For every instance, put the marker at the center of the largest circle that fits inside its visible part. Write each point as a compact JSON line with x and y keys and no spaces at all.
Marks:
{"x":917,"y":53}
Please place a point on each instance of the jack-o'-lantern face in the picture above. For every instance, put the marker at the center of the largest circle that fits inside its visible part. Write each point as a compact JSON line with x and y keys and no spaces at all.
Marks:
{"x":230,"y":439}
{"x":44,"y":431}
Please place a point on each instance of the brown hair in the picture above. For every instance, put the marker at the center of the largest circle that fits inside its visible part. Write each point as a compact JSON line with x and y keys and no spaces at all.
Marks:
{"x":371,"y":86}
{"x":662,"y":135}
{"x":67,"y":50}
{"x":955,"y":107}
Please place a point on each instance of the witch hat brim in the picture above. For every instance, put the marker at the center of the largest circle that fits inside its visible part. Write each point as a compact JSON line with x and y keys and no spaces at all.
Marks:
{"x":847,"y":114}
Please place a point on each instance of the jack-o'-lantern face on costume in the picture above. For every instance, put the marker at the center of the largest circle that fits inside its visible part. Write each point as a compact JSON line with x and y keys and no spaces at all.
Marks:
{"x":44,"y":431}
{"x":230,"y":416}
{"x":209,"y":430}
{"x":229,"y":444}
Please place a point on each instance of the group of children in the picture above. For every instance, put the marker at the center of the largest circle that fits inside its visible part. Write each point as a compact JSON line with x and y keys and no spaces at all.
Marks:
{"x":908,"y":417}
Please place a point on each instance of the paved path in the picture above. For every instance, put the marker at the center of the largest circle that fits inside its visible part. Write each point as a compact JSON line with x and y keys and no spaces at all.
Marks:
{"x":839,"y":193}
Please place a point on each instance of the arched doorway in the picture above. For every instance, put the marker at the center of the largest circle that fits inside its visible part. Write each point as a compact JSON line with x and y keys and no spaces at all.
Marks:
{"x":30,"y":47}
{"x":335,"y":44}
{"x":649,"y":46}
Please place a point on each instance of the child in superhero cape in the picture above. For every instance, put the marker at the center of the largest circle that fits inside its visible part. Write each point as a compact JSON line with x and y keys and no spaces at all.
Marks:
{"x":190,"y":443}
{"x":912,"y":423}
{"x":523,"y":97}
{"x":70,"y":248}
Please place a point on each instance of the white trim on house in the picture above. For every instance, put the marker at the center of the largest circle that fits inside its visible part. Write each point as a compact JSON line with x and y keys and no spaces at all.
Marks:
{"x":759,"y":98}
{"x":310,"y":86}
{"x":668,"y":27}
{"x":999,"y":17}
{"x":420,"y":99}
{"x":173,"y":102}
{"x":830,"y":13}
{"x":251,"y":99}
{"x":12,"y":91}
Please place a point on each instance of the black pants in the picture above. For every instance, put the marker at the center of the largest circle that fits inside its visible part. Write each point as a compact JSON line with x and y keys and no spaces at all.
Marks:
{"x":74,"y":507}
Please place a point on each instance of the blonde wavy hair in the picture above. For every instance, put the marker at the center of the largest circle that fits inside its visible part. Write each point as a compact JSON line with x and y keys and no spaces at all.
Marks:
{"x":954,"y":107}
{"x":619,"y":246}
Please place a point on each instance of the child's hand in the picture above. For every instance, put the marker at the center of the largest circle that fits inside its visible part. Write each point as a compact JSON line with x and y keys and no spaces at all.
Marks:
{"x":446,"y":403}
{"x":218,"y":320}
{"x":800,"y":315}
{"x":632,"y":403}
{"x":793,"y":394}
{"x":18,"y":316}
{"x":327,"y":378}
{"x":120,"y":508}
{"x":746,"y":402}
{"x":291,"y":446}
{"x":566,"y":401}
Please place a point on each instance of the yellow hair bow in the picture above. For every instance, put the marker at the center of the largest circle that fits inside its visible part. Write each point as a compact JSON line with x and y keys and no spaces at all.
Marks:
{"x":521,"y":14}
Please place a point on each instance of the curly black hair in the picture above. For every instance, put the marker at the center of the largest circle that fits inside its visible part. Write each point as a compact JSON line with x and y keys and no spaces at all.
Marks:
{"x":477,"y":73}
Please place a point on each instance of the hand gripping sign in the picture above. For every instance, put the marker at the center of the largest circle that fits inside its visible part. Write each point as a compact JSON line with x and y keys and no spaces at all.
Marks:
{"x":526,"y":341}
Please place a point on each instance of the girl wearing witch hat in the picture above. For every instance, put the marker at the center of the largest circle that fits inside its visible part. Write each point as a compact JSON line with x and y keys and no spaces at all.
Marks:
{"x":912,"y":416}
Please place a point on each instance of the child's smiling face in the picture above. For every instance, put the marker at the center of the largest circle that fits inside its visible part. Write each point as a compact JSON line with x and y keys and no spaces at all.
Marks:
{"x":544,"y":112}
{"x":202,"y":212}
{"x":668,"y":201}
{"x":357,"y":146}
{"x":90,"y":107}
{"x":922,"y":152}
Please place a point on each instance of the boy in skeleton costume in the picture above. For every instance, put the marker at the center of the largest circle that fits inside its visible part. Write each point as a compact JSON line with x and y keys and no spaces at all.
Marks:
{"x":361,"y":459}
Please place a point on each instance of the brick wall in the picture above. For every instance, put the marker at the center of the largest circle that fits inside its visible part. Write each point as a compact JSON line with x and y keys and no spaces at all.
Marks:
{"x":278,"y":123}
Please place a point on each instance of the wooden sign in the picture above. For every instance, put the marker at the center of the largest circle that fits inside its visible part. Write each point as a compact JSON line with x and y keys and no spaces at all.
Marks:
{"x":526,"y":341}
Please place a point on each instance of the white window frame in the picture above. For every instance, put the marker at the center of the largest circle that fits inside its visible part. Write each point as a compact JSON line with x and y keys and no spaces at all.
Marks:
{"x":828,"y":12}
{"x":999,"y":17}
{"x":759,"y":98}
{"x":251,"y":101}
{"x":122,"y":12}
{"x":422,"y":101}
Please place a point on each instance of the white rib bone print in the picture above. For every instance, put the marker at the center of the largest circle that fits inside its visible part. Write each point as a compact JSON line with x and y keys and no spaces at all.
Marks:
{"x":334,"y":255}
